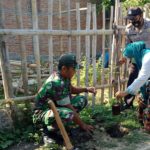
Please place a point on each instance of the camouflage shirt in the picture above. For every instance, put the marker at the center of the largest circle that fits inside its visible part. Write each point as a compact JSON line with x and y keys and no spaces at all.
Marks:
{"x":142,"y":35}
{"x":57,"y":89}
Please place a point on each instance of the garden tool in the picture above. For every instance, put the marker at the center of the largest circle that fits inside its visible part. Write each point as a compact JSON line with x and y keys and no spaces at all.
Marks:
{"x":65,"y":136}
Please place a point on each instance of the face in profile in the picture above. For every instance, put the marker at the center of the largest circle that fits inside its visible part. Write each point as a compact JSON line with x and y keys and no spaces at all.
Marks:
{"x":68,"y":72}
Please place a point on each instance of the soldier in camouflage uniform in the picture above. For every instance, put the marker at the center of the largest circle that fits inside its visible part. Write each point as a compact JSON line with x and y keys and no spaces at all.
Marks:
{"x":136,"y":30}
{"x":59,"y":89}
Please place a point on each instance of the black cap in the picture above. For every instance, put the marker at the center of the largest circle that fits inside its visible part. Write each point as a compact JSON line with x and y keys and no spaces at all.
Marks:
{"x":68,"y":60}
{"x":133,"y":12}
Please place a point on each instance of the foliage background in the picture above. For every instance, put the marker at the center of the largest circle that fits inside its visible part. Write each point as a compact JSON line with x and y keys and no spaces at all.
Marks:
{"x":125,"y":4}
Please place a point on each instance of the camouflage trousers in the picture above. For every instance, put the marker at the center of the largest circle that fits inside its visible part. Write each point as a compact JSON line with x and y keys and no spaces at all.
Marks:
{"x":47,"y":118}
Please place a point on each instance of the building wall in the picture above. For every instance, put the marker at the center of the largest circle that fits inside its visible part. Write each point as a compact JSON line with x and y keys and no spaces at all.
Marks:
{"x":42,"y":5}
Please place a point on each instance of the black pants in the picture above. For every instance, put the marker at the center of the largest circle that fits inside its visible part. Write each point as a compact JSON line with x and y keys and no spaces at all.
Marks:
{"x":133,"y":74}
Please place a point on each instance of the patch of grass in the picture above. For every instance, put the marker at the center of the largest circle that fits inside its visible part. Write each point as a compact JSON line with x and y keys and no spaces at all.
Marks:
{"x":103,"y":112}
{"x":135,"y":137}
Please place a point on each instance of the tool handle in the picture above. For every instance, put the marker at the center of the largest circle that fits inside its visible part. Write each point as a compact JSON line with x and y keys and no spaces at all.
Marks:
{"x":60,"y":125}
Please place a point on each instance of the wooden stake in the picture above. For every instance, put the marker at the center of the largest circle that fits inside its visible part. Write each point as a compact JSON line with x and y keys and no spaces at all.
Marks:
{"x":61,"y":126}
{"x":36,"y":41}
{"x":50,"y":38}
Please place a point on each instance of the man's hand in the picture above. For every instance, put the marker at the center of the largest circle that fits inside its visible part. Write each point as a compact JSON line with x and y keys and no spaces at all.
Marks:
{"x":120,"y":94}
{"x":87,"y":127}
{"x":122,"y":61}
{"x":91,"y":90}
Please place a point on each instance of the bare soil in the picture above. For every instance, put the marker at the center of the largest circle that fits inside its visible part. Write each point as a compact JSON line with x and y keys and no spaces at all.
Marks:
{"x":115,"y":137}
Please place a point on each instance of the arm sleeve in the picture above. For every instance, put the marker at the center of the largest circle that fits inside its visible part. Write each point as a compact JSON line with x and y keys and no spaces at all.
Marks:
{"x":143,"y":76}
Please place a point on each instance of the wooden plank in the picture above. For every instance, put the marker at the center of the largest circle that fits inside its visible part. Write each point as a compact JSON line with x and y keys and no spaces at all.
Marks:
{"x":50,"y":38}
{"x":22,"y":46}
{"x":36,"y":41}
{"x":103,"y":56}
{"x":94,"y":47}
{"x":87,"y":40}
{"x":4,"y":59}
{"x":69,"y":26}
{"x":78,"y":40}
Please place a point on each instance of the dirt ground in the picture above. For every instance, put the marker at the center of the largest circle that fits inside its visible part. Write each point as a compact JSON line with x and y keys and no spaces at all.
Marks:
{"x":114,"y":138}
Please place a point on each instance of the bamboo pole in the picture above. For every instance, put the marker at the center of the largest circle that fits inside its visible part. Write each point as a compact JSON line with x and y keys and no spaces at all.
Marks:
{"x":5,"y":69}
{"x":50,"y":38}
{"x":87,"y":40}
{"x":4,"y":59}
{"x":94,"y":47}
{"x":22,"y":46}
{"x":78,"y":40}
{"x":60,"y":26}
{"x":29,"y":32}
{"x":110,"y":50}
{"x":17,"y":99}
{"x":36,"y":41}
{"x":103,"y":57}
{"x":117,"y":43}
{"x":110,"y":85}
{"x":113,"y":58}
{"x":69,"y":26}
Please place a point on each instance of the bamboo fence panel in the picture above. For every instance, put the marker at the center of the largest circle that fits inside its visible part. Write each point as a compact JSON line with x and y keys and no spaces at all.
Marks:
{"x":50,"y":38}
{"x":87,"y":32}
{"x":78,"y":41}
{"x":87,"y":40}
{"x":36,"y":41}
{"x":94,"y":47}
{"x":22,"y":46}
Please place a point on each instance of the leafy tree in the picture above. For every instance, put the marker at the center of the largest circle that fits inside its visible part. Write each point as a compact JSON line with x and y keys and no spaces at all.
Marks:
{"x":126,"y":3}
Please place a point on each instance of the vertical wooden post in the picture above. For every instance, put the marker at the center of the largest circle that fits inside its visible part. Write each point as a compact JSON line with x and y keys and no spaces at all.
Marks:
{"x":50,"y":39}
{"x":103,"y":56}
{"x":60,"y":26}
{"x":4,"y":60}
{"x":22,"y":46}
{"x":94,"y":47}
{"x":36,"y":41}
{"x":113,"y":58}
{"x":69,"y":26}
{"x":110,"y":50}
{"x":87,"y":40}
{"x":5,"y":69}
{"x":78,"y":39}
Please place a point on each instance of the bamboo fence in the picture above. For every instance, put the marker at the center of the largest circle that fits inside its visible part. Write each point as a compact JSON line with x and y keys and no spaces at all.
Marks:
{"x":91,"y":32}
